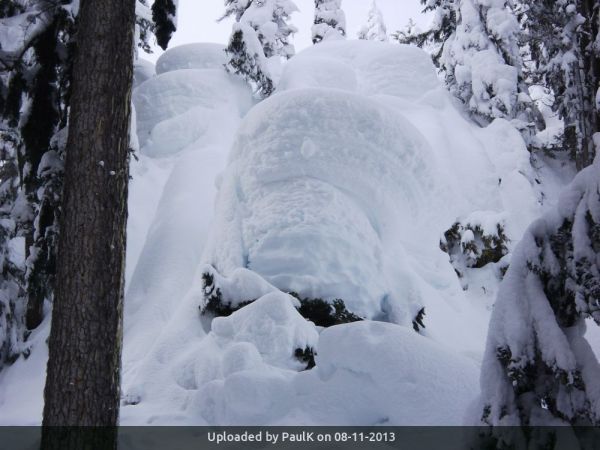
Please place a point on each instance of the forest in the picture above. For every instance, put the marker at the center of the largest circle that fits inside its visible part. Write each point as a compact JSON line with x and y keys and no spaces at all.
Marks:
{"x":389,"y":227}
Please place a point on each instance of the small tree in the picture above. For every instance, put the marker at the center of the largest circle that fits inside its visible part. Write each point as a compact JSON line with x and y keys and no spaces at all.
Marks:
{"x":261,"y":33}
{"x":375,"y":29}
{"x":247,"y":59}
{"x":330,"y":21}
{"x":483,"y":65}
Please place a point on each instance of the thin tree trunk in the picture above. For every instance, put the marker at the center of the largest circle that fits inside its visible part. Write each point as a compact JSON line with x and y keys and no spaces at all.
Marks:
{"x":83,"y":377}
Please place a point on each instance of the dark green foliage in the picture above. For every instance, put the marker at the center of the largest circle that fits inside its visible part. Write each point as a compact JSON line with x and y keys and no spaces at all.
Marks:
{"x":248,"y":65}
{"x":543,"y":363}
{"x":477,"y":253}
{"x":417,"y":322}
{"x":318,"y":311}
{"x":213,"y":299}
{"x":34,"y":104}
{"x":306,"y":356}
{"x":564,"y":57}
{"x":436,"y":36}
{"x":323,"y":313}
{"x":163,"y":15}
{"x":9,"y":8}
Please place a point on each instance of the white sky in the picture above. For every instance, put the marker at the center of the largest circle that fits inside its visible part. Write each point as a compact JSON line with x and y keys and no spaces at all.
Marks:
{"x":197,"y":20}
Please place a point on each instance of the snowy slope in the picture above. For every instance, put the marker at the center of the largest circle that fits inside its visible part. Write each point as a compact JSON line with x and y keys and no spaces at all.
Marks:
{"x":338,"y":186}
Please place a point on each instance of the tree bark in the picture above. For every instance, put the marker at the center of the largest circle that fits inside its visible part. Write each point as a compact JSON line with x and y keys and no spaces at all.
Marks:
{"x":83,"y":376}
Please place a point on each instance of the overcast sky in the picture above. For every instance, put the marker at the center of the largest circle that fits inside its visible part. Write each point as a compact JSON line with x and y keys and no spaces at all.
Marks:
{"x":197,"y":20}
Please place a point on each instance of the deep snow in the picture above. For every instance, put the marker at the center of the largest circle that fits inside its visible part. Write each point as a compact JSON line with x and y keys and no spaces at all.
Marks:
{"x":338,"y":186}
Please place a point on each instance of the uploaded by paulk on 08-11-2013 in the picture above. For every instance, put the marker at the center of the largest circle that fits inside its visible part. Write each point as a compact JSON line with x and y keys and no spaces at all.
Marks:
{"x":282,"y":437}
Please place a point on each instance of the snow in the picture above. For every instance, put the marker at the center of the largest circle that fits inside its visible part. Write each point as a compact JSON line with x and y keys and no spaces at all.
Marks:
{"x":192,"y":56}
{"x":302,"y":209}
{"x":339,"y":185}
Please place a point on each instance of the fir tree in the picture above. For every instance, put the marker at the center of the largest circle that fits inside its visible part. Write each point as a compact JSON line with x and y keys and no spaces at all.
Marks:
{"x":330,"y":21}
{"x":270,"y":19}
{"x":235,"y":8}
{"x":375,"y":29}
{"x":164,"y":13}
{"x":477,"y":46}
{"x":262,"y":31}
{"x":247,"y":59}
{"x":538,"y":367}
{"x":564,"y":45}
{"x":483,"y":65}
{"x":144,"y":26}
{"x":35,"y":72}
{"x":442,"y":28}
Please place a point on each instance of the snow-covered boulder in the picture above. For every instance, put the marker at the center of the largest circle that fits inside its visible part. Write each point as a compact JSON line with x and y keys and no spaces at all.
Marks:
{"x":192,"y":56}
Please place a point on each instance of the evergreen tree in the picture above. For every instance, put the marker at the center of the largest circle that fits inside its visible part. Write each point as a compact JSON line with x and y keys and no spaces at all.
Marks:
{"x":330,"y":21}
{"x":144,"y":25}
{"x":261,"y":32}
{"x":538,"y":367}
{"x":477,"y":46}
{"x":158,"y":20}
{"x":564,"y":45}
{"x":442,"y":28}
{"x":270,"y":20}
{"x":483,"y":66}
{"x":164,"y":15}
{"x":247,"y":59}
{"x":35,"y":72}
{"x":235,"y":8}
{"x":83,"y":376}
{"x":375,"y":29}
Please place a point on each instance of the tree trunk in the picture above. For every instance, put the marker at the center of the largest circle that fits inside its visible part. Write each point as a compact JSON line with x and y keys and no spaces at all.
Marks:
{"x":83,"y":377}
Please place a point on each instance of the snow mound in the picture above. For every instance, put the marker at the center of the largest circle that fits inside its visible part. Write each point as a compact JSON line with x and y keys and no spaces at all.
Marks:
{"x":367,"y":373}
{"x":185,"y":107}
{"x":319,"y":72}
{"x":251,"y":353}
{"x":393,"y":375}
{"x":272,"y":325}
{"x":379,"y":68}
{"x":192,"y":56}
{"x":313,"y":211}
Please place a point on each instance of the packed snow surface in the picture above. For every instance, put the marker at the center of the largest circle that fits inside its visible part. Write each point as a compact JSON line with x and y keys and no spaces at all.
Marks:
{"x":338,"y":186}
